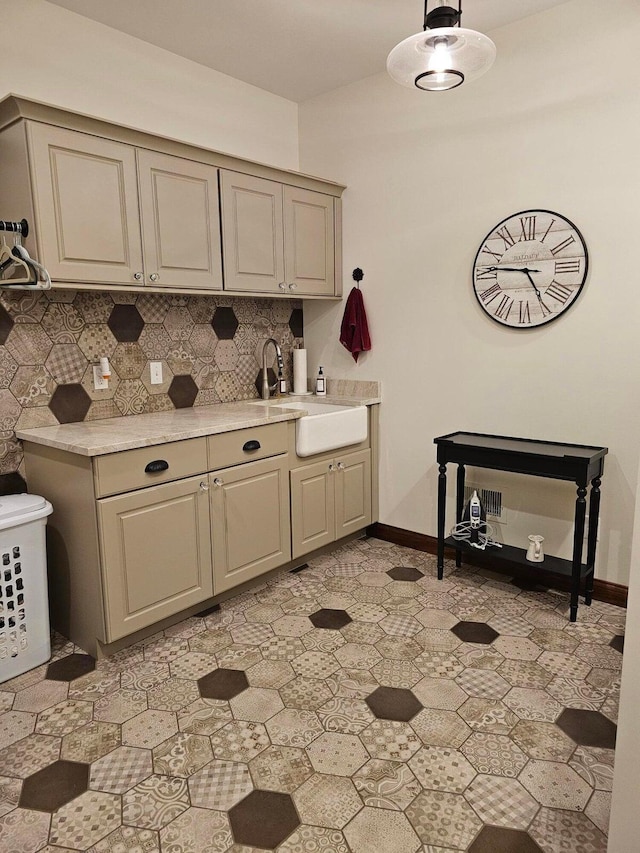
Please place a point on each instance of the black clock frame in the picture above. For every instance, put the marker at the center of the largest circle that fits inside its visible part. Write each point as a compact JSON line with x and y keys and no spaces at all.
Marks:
{"x":573,"y":226}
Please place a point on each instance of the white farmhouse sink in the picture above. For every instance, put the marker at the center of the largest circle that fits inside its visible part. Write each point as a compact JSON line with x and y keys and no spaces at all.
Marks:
{"x":327,"y":426}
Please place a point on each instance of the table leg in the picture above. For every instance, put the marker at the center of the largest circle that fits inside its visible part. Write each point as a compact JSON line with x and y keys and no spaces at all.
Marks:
{"x":442,"y":494}
{"x":592,"y":537}
{"x":459,"y":507}
{"x":578,"y":536}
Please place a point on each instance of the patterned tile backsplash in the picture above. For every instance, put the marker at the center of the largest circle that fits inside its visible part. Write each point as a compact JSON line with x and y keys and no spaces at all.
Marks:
{"x":210,"y":349}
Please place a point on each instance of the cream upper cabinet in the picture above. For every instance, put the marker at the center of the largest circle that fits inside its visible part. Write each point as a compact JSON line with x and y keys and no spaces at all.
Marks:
{"x":86,"y":206}
{"x":252,"y":233}
{"x":180,"y":221}
{"x":277,"y":238}
{"x":112,"y":214}
{"x":309,"y":242}
{"x":111,"y":207}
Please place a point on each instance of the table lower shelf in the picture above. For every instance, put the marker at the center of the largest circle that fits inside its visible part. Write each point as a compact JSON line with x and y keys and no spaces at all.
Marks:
{"x":508,"y":553}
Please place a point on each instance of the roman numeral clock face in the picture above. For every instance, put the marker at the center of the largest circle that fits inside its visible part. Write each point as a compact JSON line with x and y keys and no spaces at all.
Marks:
{"x":530,"y":269}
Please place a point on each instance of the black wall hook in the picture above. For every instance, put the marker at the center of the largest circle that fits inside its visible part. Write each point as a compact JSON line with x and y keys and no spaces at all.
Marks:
{"x":358,"y":275}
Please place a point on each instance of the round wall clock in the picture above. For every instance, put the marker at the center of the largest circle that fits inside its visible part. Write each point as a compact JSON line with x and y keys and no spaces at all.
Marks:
{"x":530,"y":268}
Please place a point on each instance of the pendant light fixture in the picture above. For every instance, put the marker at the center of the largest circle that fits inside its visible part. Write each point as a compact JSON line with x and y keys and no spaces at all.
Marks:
{"x":444,"y":55}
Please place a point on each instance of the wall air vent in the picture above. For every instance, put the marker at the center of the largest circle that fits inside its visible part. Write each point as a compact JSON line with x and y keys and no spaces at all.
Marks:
{"x":491,"y":501}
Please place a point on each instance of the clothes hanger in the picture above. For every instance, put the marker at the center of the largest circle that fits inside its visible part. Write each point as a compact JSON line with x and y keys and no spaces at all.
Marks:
{"x":8,"y":260}
{"x":17,"y":256}
{"x":20,"y":254}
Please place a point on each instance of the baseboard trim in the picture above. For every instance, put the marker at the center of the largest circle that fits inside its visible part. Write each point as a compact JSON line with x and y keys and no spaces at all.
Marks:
{"x":611,"y":593}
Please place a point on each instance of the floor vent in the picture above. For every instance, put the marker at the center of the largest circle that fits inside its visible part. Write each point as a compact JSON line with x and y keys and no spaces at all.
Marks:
{"x":491,"y":501}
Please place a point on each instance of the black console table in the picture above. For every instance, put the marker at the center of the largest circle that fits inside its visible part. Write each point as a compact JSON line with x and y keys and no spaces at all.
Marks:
{"x":581,"y":464}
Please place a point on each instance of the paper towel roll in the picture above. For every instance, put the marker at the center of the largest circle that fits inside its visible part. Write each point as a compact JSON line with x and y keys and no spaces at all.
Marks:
{"x":299,"y":371}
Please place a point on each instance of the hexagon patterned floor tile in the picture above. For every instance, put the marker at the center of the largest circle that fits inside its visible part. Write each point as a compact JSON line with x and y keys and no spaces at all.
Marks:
{"x":359,"y":705}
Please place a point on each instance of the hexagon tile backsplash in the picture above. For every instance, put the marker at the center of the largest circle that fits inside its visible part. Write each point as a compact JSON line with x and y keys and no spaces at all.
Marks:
{"x":210,"y":349}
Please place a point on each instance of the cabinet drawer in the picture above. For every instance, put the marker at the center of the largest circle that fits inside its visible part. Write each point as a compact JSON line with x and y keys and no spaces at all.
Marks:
{"x":135,"y":469}
{"x":245,"y":445}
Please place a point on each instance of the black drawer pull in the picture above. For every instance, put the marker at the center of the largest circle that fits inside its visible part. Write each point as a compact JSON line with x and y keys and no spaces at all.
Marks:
{"x":251,"y":445}
{"x":156,"y":466}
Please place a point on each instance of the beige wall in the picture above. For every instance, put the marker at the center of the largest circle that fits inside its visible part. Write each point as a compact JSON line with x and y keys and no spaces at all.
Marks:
{"x":624,"y":829}
{"x":428,"y":176}
{"x":53,"y":55}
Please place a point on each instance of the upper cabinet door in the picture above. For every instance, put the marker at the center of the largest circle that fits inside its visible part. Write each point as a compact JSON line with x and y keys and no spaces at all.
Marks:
{"x":309,"y":242}
{"x":86,"y":202}
{"x":252,"y":233}
{"x":180,"y":222}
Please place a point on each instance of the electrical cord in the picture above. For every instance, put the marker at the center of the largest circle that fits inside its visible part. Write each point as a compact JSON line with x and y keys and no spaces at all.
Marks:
{"x":463,"y":531}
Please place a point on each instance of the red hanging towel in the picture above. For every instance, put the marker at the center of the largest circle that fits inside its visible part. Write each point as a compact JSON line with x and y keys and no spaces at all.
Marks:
{"x":354,"y":332}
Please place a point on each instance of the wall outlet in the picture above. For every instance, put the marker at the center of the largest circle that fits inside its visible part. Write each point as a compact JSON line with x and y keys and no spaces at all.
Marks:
{"x":155,"y":368}
{"x":99,"y":382}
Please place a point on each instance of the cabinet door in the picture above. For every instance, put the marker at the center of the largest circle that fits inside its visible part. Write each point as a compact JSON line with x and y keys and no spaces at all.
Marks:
{"x":250,"y":521}
{"x":309,"y":242}
{"x":86,"y":201}
{"x":353,"y":492}
{"x":180,"y":222}
{"x":252,"y":233}
{"x":156,"y":554}
{"x":312,"y":507}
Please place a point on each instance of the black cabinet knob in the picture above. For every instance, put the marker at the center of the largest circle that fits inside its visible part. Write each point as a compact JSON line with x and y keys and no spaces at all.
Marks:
{"x":251,"y":445}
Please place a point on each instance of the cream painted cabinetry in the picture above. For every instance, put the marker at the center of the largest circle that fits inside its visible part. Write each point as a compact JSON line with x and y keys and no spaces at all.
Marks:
{"x":330,"y":499}
{"x":250,"y":518}
{"x":277,"y":238}
{"x":112,"y":214}
{"x":123,"y":209}
{"x":156,"y":554}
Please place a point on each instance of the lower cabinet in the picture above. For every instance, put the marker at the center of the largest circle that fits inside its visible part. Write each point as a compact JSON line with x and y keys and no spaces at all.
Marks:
{"x":329,"y":500}
{"x":250,"y":520}
{"x":156,"y":551}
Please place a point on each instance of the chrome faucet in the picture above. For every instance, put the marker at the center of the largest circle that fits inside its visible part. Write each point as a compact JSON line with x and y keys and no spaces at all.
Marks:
{"x":266,"y":388}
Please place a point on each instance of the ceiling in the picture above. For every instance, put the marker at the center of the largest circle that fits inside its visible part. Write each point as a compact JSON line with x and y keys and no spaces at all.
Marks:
{"x":293,"y":48}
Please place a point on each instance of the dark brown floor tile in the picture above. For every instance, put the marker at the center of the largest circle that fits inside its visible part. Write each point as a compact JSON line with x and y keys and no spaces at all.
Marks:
{"x":53,"y":786}
{"x":263,"y":819}
{"x":495,"y":839}
{"x":405,"y":573}
{"x":588,"y":728}
{"x":70,"y":668}
{"x":618,"y":643}
{"x":394,"y":703}
{"x":475,"y":632}
{"x":222,"y":684}
{"x":327,"y":618}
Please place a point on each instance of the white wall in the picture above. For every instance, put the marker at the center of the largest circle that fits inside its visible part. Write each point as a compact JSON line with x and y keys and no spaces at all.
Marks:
{"x":428,"y":176}
{"x":624,"y":829}
{"x":53,"y":55}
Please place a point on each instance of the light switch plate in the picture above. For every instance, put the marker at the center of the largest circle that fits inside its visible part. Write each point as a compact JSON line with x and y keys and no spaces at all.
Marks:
{"x":99,"y":382}
{"x":155,"y":368}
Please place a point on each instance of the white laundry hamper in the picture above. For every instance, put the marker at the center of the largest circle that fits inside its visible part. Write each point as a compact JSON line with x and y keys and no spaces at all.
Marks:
{"x":25,"y":641}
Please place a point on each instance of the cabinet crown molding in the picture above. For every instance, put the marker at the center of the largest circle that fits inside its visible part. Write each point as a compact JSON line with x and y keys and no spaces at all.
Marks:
{"x":13,"y":108}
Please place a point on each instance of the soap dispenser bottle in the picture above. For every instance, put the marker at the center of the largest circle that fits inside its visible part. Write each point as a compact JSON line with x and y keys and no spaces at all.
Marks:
{"x":321,"y":384}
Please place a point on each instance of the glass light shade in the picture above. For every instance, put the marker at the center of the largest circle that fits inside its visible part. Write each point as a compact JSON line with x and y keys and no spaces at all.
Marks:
{"x":441,"y":58}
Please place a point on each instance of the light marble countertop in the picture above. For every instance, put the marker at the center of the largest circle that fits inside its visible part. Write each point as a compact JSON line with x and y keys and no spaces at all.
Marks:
{"x":111,"y":435}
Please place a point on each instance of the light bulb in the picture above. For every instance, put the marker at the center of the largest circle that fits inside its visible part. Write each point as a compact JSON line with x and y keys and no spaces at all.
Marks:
{"x":440,"y":60}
